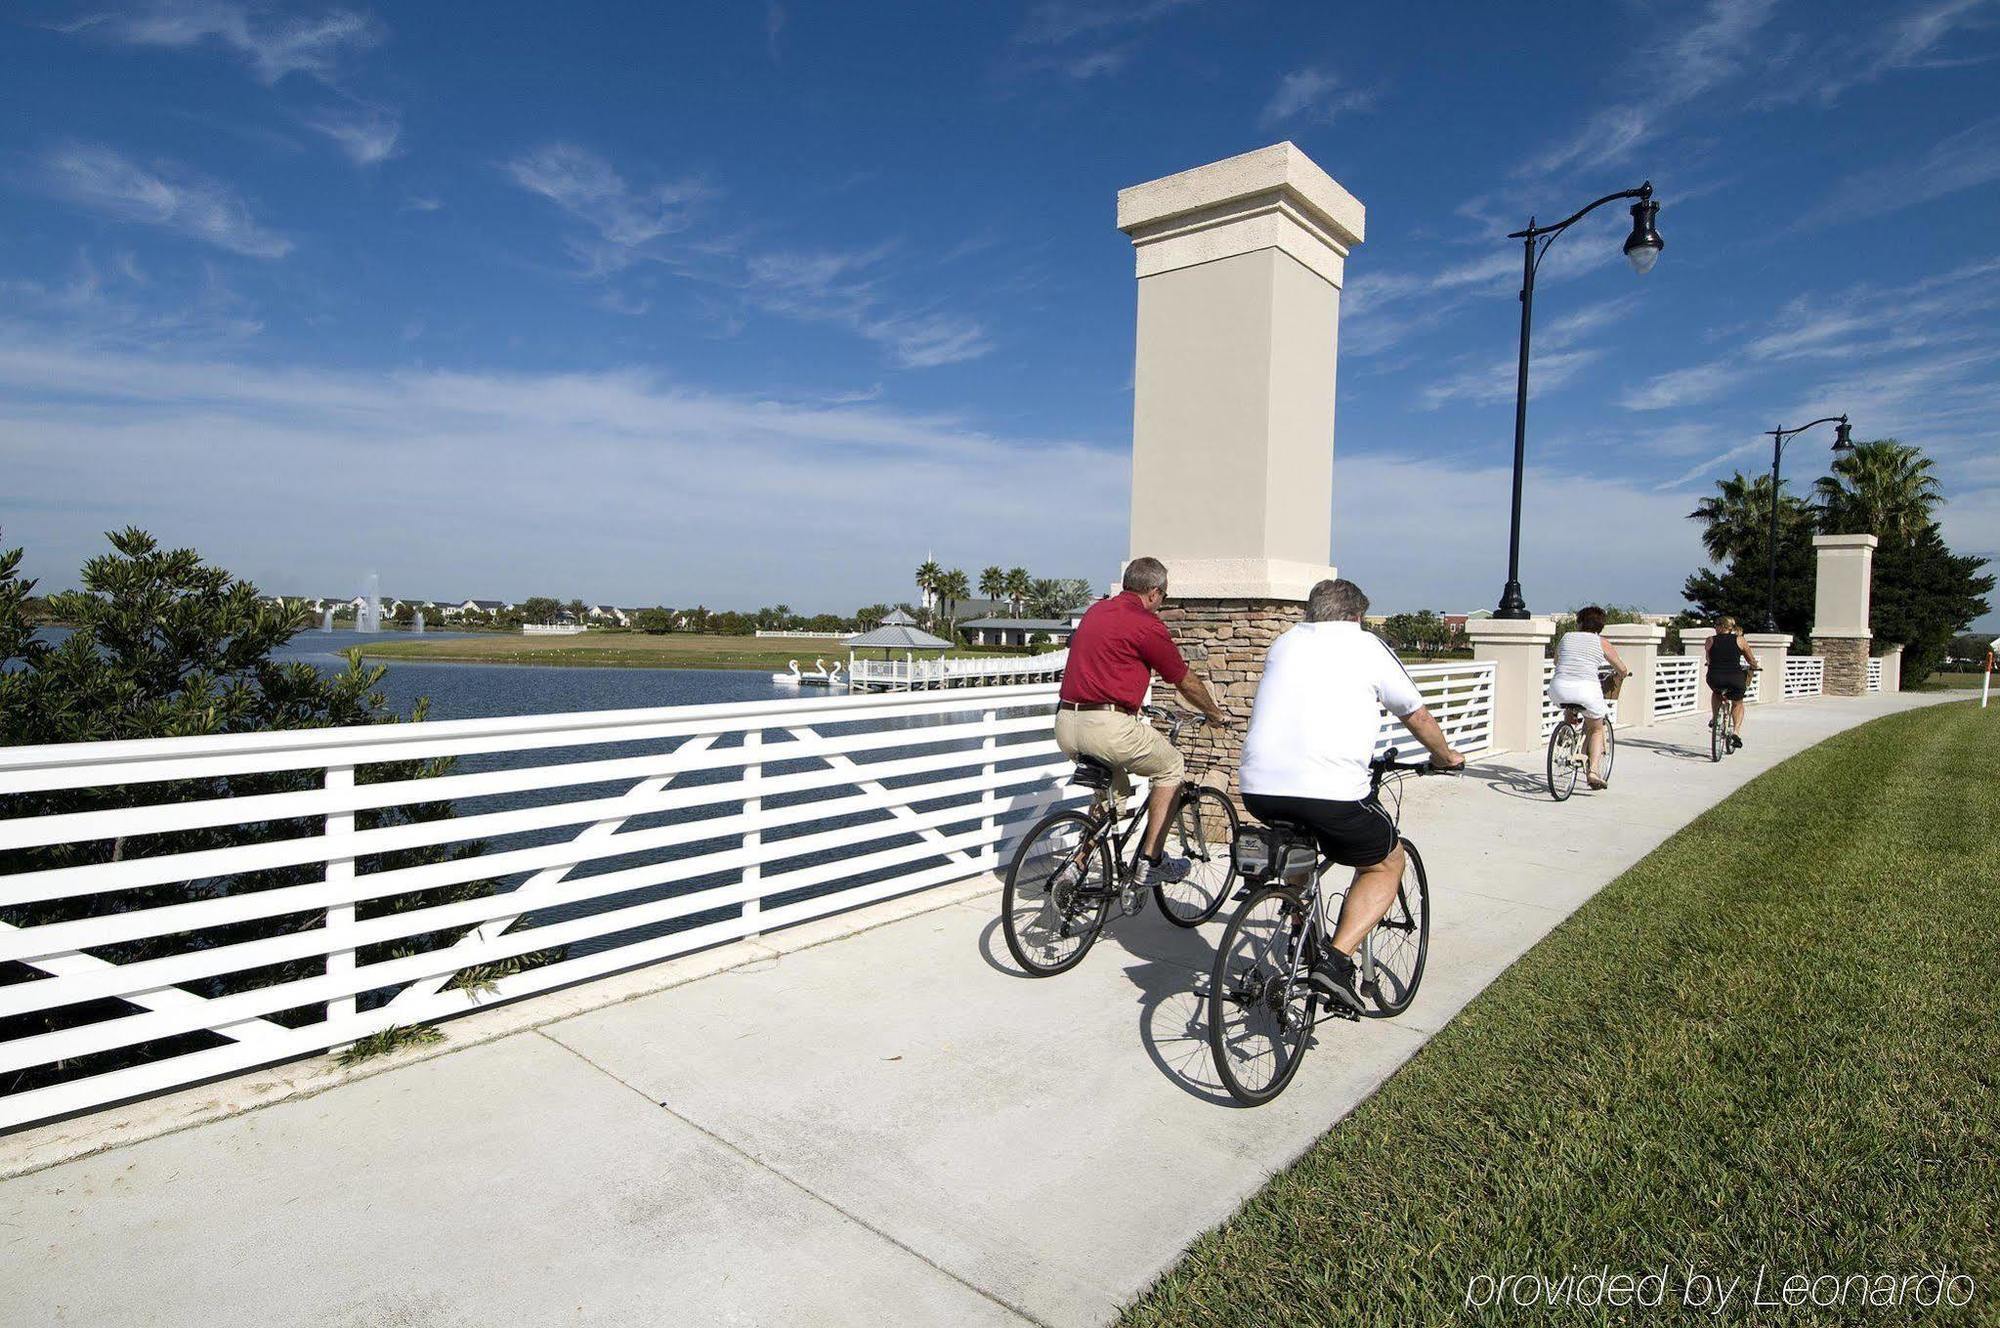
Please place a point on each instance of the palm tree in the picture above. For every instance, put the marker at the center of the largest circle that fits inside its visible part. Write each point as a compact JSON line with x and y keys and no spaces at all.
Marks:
{"x":870,"y":616}
{"x":1017,"y":588}
{"x":993,"y":583}
{"x":1883,"y":488}
{"x":928,"y":573}
{"x":1736,"y":520}
{"x":1042,"y":596}
{"x":951,"y":588}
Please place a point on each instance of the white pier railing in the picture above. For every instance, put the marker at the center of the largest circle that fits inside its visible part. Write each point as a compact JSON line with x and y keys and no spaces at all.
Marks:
{"x":1459,"y":697}
{"x":1551,"y":712}
{"x":197,"y":924}
{"x":1805,"y":675}
{"x":936,"y":674}
{"x":1874,"y":673}
{"x":1677,"y":686}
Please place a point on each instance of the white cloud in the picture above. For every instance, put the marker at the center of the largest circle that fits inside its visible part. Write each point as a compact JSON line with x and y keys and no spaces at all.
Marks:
{"x":170,"y":197}
{"x":1683,"y":387}
{"x":620,"y":480}
{"x":589,"y":189}
{"x":1498,"y":381}
{"x":1312,"y":94}
{"x":367,"y":134}
{"x":1057,"y":21}
{"x":1825,"y":71}
{"x":1965,"y":160}
{"x":272,"y":45}
{"x":774,"y":27}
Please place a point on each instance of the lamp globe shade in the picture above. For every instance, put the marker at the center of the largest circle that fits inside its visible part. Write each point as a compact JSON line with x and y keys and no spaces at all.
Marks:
{"x":1643,"y":245}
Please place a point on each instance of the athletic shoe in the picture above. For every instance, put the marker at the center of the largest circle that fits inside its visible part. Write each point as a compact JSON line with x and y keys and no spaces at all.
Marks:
{"x":1167,"y":871}
{"x":1335,"y":978}
{"x":1735,"y":743}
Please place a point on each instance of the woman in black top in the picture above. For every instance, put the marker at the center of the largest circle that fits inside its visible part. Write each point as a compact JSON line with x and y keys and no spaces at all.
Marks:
{"x":1730,"y":665}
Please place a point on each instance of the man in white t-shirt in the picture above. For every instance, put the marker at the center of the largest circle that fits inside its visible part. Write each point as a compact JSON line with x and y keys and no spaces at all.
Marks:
{"x":1305,"y":760}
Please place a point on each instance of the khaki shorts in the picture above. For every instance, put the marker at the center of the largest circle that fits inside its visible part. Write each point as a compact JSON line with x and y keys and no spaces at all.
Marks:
{"x":1126,"y":743}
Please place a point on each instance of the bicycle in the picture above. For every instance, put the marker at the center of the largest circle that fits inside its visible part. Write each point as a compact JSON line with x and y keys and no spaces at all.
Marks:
{"x":1262,"y":1008}
{"x":1722,"y":732}
{"x":1569,"y":753}
{"x":1074,"y":865}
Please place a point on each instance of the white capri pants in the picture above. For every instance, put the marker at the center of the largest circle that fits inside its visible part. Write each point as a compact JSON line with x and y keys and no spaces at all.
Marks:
{"x":1586,"y":694}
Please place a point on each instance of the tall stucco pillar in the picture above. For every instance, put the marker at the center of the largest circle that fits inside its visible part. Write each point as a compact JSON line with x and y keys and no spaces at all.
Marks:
{"x":1840,"y":634}
{"x":1239,"y":266}
{"x":1638,"y":644}
{"x":1770,"y":648}
{"x":1693,"y":639}
{"x":1518,"y":648}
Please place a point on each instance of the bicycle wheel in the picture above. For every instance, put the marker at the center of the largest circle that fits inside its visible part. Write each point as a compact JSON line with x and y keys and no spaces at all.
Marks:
{"x":1564,"y":743}
{"x":1610,"y":751}
{"x":1401,"y":941}
{"x":1718,"y":737}
{"x":1260,"y":1010}
{"x":1203,"y":832}
{"x":1058,"y":894}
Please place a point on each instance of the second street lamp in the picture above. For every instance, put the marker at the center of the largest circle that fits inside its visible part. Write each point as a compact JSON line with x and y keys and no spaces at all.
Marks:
{"x":1842,"y":442}
{"x":1642,"y":247}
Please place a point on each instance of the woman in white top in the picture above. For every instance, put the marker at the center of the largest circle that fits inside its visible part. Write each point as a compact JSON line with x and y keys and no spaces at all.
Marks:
{"x":1579,"y":656}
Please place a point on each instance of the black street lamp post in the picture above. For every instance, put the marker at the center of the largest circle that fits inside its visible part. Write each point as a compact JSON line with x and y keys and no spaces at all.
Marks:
{"x":1779,"y":437}
{"x":1642,"y":247}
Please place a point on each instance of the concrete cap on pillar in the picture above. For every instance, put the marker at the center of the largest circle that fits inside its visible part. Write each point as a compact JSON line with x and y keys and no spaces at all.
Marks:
{"x":1510,"y":629}
{"x":1273,"y":198}
{"x":1635,"y":632}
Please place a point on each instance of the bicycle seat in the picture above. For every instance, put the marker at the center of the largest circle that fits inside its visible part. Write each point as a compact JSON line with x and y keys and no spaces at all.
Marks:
{"x":1092,"y":774}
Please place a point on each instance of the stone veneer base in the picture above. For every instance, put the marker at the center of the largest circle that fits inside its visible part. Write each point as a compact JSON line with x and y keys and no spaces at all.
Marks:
{"x":1846,"y":664}
{"x":1224,"y":641}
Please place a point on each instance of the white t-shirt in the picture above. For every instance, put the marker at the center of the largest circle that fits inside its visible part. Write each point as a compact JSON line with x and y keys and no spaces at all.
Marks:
{"x":1319,"y":711}
{"x":1579,"y":655}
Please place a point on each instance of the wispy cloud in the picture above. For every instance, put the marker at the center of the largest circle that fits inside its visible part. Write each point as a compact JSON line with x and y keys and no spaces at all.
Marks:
{"x":273,"y":46}
{"x":1057,"y":21}
{"x":367,"y":134}
{"x":1965,"y":160}
{"x":164,"y":195}
{"x":1683,"y":387}
{"x":622,"y":218}
{"x":774,"y":27}
{"x":1696,"y":59}
{"x":1495,"y":381}
{"x":1314,"y":95}
{"x":1824,"y":71}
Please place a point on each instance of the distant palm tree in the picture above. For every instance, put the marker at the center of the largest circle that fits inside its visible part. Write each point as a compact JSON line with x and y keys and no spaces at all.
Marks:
{"x":1736,"y":520}
{"x":951,"y":588}
{"x":1043,"y":597}
{"x":993,"y":583}
{"x":1883,"y":488}
{"x":1017,"y":588}
{"x":870,"y":616}
{"x":928,"y":573}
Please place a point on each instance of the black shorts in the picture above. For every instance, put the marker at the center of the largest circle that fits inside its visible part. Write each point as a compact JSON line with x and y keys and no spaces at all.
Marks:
{"x":1731,"y":685}
{"x":1354,"y":834}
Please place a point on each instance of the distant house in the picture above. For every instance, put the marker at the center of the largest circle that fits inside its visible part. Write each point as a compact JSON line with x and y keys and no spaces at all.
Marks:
{"x":487,"y":606}
{"x":605,"y":613}
{"x":1018,"y":631}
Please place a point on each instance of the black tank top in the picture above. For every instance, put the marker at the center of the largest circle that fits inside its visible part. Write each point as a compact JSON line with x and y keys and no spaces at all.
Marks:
{"x":1725,"y":654}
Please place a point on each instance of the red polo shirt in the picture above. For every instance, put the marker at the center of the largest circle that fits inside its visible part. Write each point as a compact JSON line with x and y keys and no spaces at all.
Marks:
{"x":1117,"y":648}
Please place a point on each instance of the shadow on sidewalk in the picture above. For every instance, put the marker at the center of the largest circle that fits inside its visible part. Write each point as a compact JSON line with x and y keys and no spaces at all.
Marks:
{"x":1673,"y":749}
{"x":1527,"y":785}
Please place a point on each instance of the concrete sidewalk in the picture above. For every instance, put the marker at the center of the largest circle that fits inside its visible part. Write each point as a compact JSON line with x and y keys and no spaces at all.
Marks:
{"x":892,"y":1128}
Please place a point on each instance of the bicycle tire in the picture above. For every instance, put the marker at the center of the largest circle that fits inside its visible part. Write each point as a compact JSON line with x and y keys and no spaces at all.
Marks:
{"x":1718,"y":737}
{"x":1254,"y":989}
{"x":1610,"y":751}
{"x":1563,"y":739}
{"x":1033,"y":956}
{"x":1212,"y":865}
{"x":1410,"y":913}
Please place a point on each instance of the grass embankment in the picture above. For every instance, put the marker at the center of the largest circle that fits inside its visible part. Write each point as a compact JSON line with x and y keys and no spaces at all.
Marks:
{"x":623,"y":650}
{"x":1772,"y":1044}
{"x":1951,"y":682}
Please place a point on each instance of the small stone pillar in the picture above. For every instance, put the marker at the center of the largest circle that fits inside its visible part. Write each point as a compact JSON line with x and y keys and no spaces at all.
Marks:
{"x":1695,"y":639}
{"x":1892,"y":670}
{"x":1840,"y":634}
{"x":1518,"y":648}
{"x":1240,"y":265}
{"x":1638,"y":644}
{"x":1770,"y":648}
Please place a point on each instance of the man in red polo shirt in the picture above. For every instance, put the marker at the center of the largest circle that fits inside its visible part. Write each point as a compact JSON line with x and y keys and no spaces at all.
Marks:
{"x":1117,"y":648}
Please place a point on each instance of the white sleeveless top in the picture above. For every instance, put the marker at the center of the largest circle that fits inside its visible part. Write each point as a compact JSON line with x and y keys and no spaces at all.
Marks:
{"x":1579,"y":655}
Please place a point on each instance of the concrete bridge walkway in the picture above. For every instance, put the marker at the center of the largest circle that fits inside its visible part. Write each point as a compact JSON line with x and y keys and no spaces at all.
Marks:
{"x":883,"y":1128}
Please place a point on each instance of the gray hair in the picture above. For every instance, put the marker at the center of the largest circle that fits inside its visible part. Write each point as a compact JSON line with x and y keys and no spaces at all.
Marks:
{"x":1144,"y":574}
{"x":1336,"y":601}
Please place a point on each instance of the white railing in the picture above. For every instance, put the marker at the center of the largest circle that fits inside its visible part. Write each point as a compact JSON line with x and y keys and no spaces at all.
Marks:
{"x":553,"y":629}
{"x":1874,"y":673}
{"x":1754,"y":690}
{"x":1676,"y":685}
{"x":242,"y":900}
{"x":1551,"y":712}
{"x":1459,"y":697}
{"x":932,"y":674}
{"x":802,"y":635}
{"x":1804,"y":675}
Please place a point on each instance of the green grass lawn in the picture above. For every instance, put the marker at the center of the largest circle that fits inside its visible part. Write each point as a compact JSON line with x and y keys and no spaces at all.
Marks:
{"x":1956,"y":681}
{"x":1772,"y":1044}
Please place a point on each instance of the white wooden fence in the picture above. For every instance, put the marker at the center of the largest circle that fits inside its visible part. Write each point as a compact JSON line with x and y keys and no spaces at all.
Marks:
{"x":1874,"y":673}
{"x":1459,"y":697}
{"x":1677,"y":686}
{"x":937,"y":674}
{"x":1804,"y":675}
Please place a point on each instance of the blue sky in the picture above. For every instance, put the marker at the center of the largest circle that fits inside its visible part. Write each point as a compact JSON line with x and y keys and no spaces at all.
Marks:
{"x":761,"y":301}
